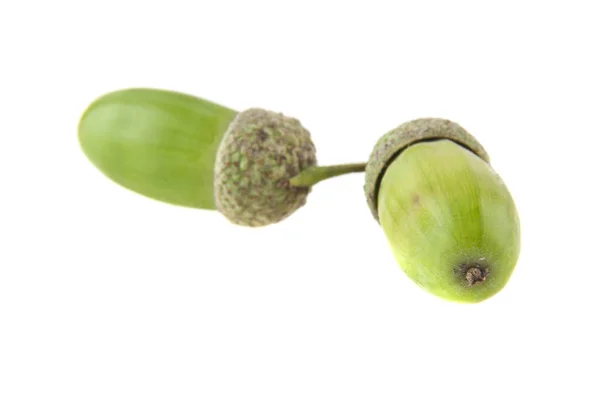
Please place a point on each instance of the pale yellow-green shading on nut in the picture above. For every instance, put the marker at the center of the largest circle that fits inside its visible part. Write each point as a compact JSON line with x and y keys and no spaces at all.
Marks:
{"x":393,"y":142}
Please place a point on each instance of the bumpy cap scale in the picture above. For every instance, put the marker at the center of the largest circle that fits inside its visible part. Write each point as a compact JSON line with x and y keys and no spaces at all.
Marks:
{"x":259,"y":153}
{"x":390,"y":145}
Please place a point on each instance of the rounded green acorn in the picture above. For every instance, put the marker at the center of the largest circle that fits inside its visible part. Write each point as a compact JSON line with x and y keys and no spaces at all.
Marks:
{"x":450,"y":220}
{"x":256,"y":167}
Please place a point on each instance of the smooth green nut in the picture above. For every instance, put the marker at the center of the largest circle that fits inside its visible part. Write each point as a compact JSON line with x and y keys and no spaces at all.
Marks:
{"x":160,"y":144}
{"x":449,"y":218}
{"x":390,"y":145}
{"x":259,"y":154}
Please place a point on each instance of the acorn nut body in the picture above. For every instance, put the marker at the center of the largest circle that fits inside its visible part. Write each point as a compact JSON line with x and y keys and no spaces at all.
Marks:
{"x":449,"y":219}
{"x":259,"y":154}
{"x":157,"y":143}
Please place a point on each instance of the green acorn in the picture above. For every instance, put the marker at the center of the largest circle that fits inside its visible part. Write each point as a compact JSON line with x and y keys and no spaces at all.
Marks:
{"x":256,"y":167}
{"x":449,"y":218}
{"x":160,"y":144}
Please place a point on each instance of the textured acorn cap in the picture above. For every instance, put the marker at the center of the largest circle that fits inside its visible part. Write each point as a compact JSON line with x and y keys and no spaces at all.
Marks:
{"x":390,"y":145}
{"x":259,"y":153}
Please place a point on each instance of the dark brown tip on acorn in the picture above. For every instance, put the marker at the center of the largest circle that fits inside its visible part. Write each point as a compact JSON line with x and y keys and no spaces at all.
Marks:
{"x":475,"y":275}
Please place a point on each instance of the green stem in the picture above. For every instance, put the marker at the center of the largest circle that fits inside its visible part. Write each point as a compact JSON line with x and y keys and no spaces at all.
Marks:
{"x":312,"y":175}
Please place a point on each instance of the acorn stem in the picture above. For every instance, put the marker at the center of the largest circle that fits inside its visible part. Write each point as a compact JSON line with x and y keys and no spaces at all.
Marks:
{"x":312,"y":175}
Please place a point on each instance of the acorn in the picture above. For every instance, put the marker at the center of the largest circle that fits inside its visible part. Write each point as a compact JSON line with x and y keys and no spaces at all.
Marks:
{"x":256,"y":167}
{"x":448,"y":217}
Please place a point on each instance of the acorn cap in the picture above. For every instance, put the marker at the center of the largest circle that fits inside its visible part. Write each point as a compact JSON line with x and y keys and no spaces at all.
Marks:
{"x":390,"y":145}
{"x":259,"y":153}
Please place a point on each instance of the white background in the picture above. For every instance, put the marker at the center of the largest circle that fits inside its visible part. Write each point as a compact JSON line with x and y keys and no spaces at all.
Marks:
{"x":109,"y":300}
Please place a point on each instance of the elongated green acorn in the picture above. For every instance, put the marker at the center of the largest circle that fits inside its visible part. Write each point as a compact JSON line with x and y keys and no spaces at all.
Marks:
{"x":184,"y":150}
{"x":160,"y":144}
{"x":449,"y":218}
